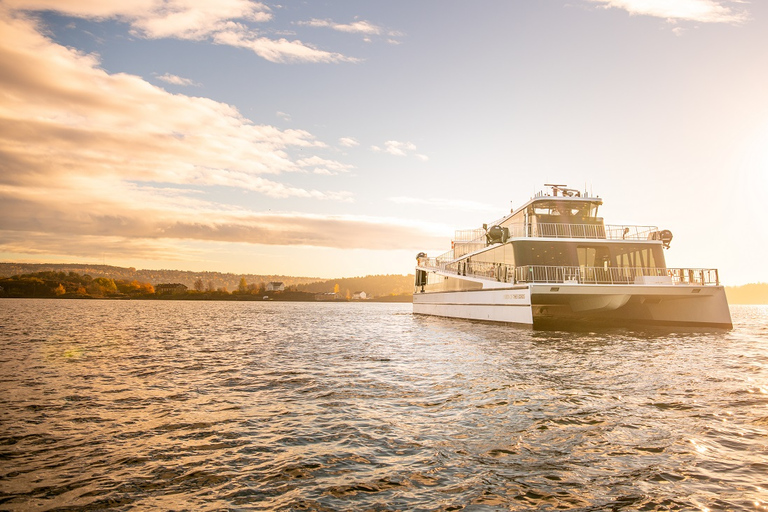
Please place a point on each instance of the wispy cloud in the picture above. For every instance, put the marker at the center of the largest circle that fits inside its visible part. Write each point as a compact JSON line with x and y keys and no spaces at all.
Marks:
{"x":277,"y":50}
{"x":62,"y":114}
{"x":397,"y":148}
{"x":362,"y":27}
{"x":88,"y":155}
{"x":323,"y":166}
{"x":177,"y":80}
{"x":227,"y":22}
{"x":348,"y":142}
{"x":83,"y":213}
{"x":707,"y":11}
{"x":356,"y":27}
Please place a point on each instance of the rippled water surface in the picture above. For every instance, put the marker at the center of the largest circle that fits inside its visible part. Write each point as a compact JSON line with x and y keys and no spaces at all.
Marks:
{"x":302,"y":406}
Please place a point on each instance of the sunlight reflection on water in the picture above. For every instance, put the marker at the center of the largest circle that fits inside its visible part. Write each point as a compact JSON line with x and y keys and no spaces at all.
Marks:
{"x":352,"y":406}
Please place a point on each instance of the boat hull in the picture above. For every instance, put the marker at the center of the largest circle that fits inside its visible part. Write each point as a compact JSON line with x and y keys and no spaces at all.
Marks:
{"x":552,"y":305}
{"x":509,"y":305}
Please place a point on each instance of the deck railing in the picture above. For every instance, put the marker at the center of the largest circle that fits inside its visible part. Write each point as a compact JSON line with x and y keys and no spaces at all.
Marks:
{"x":555,"y":230}
{"x":616,"y":275}
{"x":575,"y":275}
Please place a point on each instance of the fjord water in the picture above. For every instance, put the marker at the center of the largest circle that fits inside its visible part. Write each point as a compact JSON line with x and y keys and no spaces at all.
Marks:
{"x":349,"y":406}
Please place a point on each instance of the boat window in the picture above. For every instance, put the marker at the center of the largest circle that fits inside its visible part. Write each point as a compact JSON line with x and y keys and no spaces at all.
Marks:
{"x":501,"y":254}
{"x":545,"y":254}
{"x":586,"y":256}
{"x":598,"y":255}
{"x":570,"y":209}
{"x":638,"y":256}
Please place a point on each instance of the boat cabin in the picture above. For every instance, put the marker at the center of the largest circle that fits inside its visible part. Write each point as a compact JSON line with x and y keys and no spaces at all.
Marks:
{"x":559,"y":230}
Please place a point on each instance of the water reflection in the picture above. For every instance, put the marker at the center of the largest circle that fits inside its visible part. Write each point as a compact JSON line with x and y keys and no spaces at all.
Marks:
{"x":365,"y":406}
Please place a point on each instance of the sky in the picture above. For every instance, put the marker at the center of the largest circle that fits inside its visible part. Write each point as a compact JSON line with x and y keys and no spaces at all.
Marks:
{"x":340,"y":138}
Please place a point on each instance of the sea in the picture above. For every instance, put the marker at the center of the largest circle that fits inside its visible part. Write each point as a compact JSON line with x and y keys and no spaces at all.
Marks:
{"x":177,"y":405}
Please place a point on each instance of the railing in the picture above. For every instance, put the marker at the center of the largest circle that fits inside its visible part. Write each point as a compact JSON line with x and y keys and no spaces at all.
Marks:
{"x":576,"y":275}
{"x":497,"y":271}
{"x":615,"y":232}
{"x":616,"y":275}
{"x":552,"y":230}
{"x":556,"y":230}
{"x":611,"y":232}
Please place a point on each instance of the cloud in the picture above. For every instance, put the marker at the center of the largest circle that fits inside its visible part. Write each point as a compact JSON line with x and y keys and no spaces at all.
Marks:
{"x":323,"y":166}
{"x":356,"y":27}
{"x":82,"y":213}
{"x":90,"y":157}
{"x":363,"y":27}
{"x":397,"y":148}
{"x":176,"y":80}
{"x":348,"y":142}
{"x":278,"y":51}
{"x":707,"y":11}
{"x":224,"y":22}
{"x":61,"y":115}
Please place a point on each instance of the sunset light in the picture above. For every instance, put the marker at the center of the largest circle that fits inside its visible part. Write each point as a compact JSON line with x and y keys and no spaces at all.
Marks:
{"x":389,"y":255}
{"x":242,"y":136}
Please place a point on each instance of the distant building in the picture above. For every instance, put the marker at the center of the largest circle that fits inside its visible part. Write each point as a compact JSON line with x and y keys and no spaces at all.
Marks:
{"x":170,"y":289}
{"x":359,"y":296}
{"x":326,"y":296}
{"x":276,"y":286}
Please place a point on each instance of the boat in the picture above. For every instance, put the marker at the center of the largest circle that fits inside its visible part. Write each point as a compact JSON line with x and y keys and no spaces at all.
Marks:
{"x":554,"y":262}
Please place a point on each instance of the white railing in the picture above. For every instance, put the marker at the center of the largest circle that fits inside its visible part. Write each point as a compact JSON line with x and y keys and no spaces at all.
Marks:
{"x":482,"y":269}
{"x":616,"y":275}
{"x":616,"y":232}
{"x":556,"y":230}
{"x":575,"y":275}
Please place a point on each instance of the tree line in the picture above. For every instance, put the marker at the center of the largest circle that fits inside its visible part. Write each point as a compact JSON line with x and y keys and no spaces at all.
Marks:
{"x":52,"y":284}
{"x":71,"y":284}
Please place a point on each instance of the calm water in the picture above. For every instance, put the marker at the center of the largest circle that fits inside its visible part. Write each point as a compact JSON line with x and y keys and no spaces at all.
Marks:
{"x":297,"y":406}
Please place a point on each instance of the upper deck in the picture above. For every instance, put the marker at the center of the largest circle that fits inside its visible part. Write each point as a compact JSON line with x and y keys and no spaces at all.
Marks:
{"x":563,"y":213}
{"x":588,"y":250}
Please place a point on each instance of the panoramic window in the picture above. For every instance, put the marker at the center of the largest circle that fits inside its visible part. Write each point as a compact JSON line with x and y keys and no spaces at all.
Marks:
{"x":638,"y":256}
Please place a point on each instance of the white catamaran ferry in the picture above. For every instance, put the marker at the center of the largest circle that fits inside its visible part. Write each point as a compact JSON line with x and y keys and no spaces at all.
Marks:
{"x":554,"y":261}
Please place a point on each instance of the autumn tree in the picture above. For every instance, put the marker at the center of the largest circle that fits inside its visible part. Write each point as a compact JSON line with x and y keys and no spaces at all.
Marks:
{"x":101,"y":286}
{"x":243,"y":286}
{"x":199,"y":286}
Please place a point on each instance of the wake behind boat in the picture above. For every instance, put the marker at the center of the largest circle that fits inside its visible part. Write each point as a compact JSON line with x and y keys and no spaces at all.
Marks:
{"x":554,"y":261}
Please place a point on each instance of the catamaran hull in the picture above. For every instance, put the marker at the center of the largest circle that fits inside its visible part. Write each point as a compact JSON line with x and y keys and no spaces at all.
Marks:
{"x":511,"y":305}
{"x":549,"y":305}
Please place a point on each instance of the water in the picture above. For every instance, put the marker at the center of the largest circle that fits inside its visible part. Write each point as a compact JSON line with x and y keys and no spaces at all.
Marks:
{"x":299,"y":406}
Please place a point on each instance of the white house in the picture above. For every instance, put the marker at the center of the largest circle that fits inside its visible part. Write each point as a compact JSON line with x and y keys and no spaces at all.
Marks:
{"x":359,"y":296}
{"x":275,"y":286}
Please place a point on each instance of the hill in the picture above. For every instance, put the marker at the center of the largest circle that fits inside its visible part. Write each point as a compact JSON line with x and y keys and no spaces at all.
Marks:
{"x":386,"y":286}
{"x":212,"y":280}
{"x":373,"y":286}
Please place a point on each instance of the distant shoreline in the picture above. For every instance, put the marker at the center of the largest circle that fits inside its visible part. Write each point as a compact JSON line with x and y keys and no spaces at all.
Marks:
{"x":400,"y":299}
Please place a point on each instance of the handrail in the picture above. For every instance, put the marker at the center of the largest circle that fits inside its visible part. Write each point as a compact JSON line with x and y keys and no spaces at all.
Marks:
{"x":575,"y":275}
{"x":616,"y":275}
{"x":556,"y":230}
